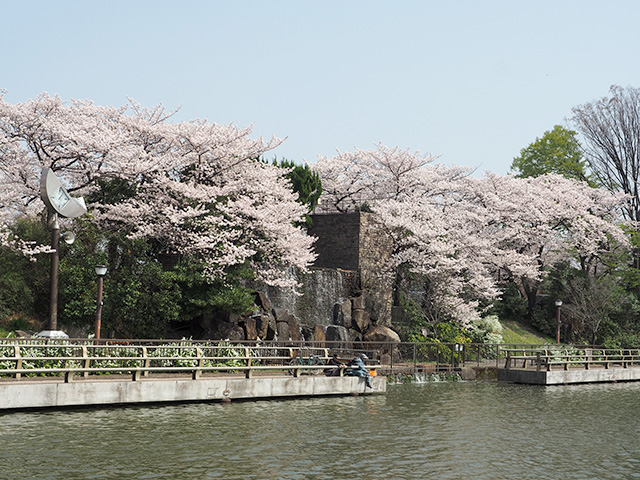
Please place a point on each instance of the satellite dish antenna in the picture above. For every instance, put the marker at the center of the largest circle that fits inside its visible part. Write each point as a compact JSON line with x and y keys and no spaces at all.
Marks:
{"x":56,"y":197}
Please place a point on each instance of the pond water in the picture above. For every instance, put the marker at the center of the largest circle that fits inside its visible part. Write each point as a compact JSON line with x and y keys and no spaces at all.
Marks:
{"x":446,"y":430}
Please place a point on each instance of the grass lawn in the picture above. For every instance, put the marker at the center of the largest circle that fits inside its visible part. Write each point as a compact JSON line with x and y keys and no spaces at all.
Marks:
{"x":517,"y":333}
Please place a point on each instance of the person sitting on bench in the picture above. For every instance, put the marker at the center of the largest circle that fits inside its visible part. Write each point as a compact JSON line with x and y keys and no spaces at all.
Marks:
{"x":334,"y":372}
{"x":358,"y":369}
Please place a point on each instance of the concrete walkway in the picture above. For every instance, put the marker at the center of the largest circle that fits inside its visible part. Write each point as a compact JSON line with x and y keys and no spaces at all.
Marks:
{"x":55,"y":393}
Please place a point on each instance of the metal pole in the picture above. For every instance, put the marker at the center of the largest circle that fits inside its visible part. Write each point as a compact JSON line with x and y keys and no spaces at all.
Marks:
{"x":99,"y":306}
{"x":558,"y":326}
{"x":53,"y":276}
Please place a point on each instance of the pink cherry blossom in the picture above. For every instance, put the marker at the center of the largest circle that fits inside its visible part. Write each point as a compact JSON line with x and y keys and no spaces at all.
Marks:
{"x":199,"y":187}
{"x":464,"y":234}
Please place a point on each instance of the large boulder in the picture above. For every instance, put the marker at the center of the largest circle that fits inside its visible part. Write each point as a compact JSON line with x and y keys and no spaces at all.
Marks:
{"x":359,"y":302}
{"x":307,"y":333}
{"x":262,"y":301}
{"x":294,"y":329}
{"x":280,"y":315}
{"x":382,"y":338}
{"x":361,"y":320}
{"x":319,"y":335}
{"x":342,"y":313}
{"x":282,"y":331}
{"x":315,"y":334}
{"x":250,"y":328}
{"x":265,"y":326}
{"x":338,"y":337}
{"x":228,"y":331}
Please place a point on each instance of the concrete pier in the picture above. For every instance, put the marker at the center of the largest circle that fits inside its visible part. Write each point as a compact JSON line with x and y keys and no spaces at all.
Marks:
{"x":48,"y":393}
{"x":569,"y":376}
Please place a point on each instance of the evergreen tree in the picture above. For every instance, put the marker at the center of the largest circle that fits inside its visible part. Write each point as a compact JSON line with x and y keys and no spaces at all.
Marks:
{"x":305,"y":182}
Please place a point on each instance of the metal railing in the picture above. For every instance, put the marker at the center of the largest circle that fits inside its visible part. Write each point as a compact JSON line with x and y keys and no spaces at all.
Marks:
{"x":44,"y":357}
{"x":67,"y":359}
{"x":141,"y":360}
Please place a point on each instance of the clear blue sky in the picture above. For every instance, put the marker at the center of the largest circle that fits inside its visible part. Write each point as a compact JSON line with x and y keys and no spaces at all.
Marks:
{"x":474,"y":81}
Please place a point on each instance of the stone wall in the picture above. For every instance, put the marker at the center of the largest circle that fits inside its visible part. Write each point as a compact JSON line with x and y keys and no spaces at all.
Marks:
{"x":345,"y":296}
{"x":320,"y":290}
{"x":357,"y":241}
{"x":338,"y":240}
{"x":375,"y":248}
{"x":347,"y":292}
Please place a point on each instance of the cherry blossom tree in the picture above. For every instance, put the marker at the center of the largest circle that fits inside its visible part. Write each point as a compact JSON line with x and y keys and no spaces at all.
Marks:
{"x":465,"y":234}
{"x":536,"y":222}
{"x":351,"y":180}
{"x":193,"y":188}
{"x":419,"y":206}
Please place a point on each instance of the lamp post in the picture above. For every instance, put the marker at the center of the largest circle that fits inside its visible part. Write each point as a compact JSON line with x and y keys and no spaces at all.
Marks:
{"x":59,"y":204}
{"x":101,"y":271}
{"x":558,"y":305}
{"x":69,"y":238}
{"x":53,"y":274}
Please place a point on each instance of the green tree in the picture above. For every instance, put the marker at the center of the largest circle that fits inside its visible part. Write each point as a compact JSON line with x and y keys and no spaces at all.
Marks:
{"x":511,"y":305}
{"x":140,"y":301}
{"x":16,"y":295}
{"x":24,"y":282}
{"x":305,"y":182}
{"x":202,"y":297}
{"x":140,"y":297}
{"x":557,"y":151}
{"x":146,"y":292}
{"x":590,"y":304}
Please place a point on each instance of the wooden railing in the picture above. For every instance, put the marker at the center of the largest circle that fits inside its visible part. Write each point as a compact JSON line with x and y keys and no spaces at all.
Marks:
{"x":19,"y":361}
{"x":546,"y":359}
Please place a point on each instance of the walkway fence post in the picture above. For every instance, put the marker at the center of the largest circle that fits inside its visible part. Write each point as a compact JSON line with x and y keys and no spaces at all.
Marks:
{"x":415,"y":359}
{"x":247,"y":354}
{"x":391,"y":359}
{"x":16,"y":351}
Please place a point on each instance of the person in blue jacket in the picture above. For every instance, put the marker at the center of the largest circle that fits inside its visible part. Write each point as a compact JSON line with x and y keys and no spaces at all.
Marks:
{"x":358,"y":369}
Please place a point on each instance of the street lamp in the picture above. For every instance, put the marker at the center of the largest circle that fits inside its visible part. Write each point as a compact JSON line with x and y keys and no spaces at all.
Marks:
{"x":59,"y":204}
{"x":101,"y":271}
{"x":68,"y":238}
{"x":558,"y":305}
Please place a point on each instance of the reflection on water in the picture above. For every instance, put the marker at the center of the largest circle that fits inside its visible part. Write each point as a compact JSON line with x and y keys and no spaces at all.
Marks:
{"x":439,"y":430}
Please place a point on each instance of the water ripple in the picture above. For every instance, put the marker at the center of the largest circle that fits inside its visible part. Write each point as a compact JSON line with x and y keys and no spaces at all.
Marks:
{"x":445,"y":430}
